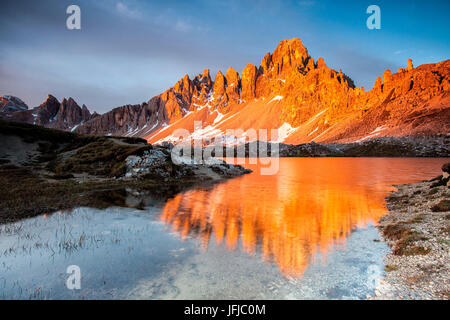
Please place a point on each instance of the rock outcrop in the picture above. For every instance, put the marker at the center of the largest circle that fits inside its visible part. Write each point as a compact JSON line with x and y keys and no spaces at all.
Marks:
{"x":157,"y":162}
{"x":233,"y":86}
{"x":410,"y":64}
{"x":248,"y":82}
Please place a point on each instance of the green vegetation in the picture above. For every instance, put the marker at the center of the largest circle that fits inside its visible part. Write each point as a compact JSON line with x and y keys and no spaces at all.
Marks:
{"x":24,"y":193}
{"x":390,"y":267}
{"x":417,"y":219}
{"x":405,"y":238}
{"x":398,"y":199}
{"x":442,"y":206}
{"x":100,"y":157}
{"x":395,"y":231}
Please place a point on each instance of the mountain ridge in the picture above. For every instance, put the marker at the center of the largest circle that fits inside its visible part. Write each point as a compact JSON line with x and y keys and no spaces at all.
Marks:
{"x":65,"y":115}
{"x":303,"y":99}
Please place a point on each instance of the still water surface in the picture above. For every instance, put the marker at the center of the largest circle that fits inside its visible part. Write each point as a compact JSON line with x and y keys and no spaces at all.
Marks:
{"x":306,"y":232}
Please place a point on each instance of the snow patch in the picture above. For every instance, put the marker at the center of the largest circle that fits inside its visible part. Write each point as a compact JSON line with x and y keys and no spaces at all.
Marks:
{"x":218,"y":118}
{"x":378,"y":129}
{"x":151,"y":129}
{"x":277,"y":98}
{"x":285,"y":131}
{"x":312,"y":132}
{"x":373,"y":134}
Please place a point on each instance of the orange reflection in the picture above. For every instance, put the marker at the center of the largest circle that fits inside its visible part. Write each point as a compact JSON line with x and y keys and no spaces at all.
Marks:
{"x":307,"y":207}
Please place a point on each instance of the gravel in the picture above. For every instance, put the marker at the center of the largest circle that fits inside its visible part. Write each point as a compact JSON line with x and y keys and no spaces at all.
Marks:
{"x":421,"y":270}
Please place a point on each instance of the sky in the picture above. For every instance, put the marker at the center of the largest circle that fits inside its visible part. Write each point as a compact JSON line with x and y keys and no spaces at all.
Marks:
{"x":128,"y":51}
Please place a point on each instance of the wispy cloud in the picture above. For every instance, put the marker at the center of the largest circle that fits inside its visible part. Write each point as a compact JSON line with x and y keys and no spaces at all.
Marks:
{"x":124,"y":10}
{"x":183,"y":26}
{"x":138,"y":48}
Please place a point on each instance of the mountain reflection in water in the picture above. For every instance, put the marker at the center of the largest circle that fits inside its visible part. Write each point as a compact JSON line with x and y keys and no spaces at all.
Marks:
{"x":308,"y":206}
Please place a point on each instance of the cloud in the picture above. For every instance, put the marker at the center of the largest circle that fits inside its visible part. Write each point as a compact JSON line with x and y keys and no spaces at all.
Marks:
{"x":131,"y":50}
{"x":121,"y":56}
{"x":124,"y":10}
{"x":183,"y":26}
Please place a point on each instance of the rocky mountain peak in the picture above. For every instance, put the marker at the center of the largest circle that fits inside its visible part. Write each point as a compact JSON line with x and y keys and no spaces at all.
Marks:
{"x":51,"y":113}
{"x":49,"y":107}
{"x":387,"y":76}
{"x":320,"y":63}
{"x":204,"y":78}
{"x":10,"y":103}
{"x":71,"y":101}
{"x":233,"y":90}
{"x":203,"y":84}
{"x":219,"y":86}
{"x":232,"y":76}
{"x":289,"y":55}
{"x":206,"y":74}
{"x":289,"y":89}
{"x":266,"y":63}
{"x":50,"y":99}
{"x":248,"y":82}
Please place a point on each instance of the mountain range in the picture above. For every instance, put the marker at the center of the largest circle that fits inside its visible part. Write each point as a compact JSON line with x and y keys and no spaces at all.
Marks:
{"x":303,"y":98}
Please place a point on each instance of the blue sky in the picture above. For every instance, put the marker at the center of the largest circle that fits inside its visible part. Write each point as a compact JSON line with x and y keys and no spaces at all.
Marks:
{"x":127,"y":51}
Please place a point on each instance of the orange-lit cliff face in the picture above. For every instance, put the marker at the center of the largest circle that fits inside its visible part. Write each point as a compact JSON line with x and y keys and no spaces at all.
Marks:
{"x":308,"y":101}
{"x":287,"y":217}
{"x":289,"y":91}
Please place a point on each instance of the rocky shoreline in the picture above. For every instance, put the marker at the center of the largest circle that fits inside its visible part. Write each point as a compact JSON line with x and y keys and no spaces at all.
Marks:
{"x":434,"y":146}
{"x":417,"y":228}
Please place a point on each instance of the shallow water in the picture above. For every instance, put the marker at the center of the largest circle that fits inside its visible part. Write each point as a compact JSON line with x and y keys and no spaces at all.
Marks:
{"x":306,"y":232}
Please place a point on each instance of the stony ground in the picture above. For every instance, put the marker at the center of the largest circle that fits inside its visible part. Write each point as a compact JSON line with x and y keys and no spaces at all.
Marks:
{"x":417,"y":229}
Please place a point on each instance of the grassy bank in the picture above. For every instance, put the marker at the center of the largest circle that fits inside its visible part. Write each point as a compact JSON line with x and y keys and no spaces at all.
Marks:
{"x":44,"y":170}
{"x":24,"y":193}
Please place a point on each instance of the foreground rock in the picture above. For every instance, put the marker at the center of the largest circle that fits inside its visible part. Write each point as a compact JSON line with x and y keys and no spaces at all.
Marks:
{"x":417,"y":229}
{"x":159,"y":162}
